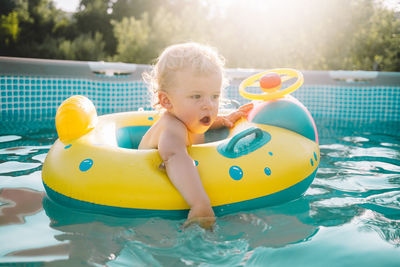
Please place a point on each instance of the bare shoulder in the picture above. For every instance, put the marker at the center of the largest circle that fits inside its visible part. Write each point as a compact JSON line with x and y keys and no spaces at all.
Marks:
{"x":173,"y":129}
{"x":165,"y":130}
{"x":174,"y":138}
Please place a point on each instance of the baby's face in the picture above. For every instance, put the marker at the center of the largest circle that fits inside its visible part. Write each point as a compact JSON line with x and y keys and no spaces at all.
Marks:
{"x":195,"y":99}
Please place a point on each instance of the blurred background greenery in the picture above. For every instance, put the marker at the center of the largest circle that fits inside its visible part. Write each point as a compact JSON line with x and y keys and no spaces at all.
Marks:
{"x":303,"y":34}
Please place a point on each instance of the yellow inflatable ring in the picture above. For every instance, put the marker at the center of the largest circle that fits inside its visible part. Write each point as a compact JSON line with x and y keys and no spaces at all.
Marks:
{"x":274,"y":95}
{"x":96,"y":166}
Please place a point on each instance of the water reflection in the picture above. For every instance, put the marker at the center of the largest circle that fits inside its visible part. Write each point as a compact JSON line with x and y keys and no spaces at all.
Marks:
{"x":272,"y":227}
{"x":155,"y":240}
{"x":92,"y":238}
{"x":362,"y":177}
{"x":388,"y":229}
{"x":19,"y":203}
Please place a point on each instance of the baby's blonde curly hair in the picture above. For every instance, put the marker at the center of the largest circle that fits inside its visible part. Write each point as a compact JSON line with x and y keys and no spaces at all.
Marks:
{"x":201,"y":59}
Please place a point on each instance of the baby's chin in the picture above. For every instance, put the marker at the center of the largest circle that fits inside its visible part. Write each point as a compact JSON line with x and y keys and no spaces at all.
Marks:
{"x":201,"y":128}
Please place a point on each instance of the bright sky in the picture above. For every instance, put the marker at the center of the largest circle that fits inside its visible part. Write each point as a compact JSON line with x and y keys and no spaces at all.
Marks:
{"x":395,"y":4}
{"x":67,"y":5}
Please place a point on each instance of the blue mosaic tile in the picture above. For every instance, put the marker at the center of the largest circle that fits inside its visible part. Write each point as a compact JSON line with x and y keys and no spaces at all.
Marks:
{"x":43,"y":95}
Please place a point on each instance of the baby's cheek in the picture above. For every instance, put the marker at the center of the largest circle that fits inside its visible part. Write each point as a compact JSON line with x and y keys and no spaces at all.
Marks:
{"x":214,"y":114}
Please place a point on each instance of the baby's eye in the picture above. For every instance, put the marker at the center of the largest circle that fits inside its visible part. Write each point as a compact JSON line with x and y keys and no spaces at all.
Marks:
{"x":215,"y":96}
{"x":195,"y":96}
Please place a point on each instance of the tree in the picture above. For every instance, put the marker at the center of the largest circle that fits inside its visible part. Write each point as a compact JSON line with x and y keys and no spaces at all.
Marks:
{"x":376,"y":45}
{"x":136,"y":8}
{"x":35,"y":31}
{"x":304,"y":34}
{"x":133,"y":39}
{"x":94,"y":16}
{"x":9,"y":28}
{"x":86,"y":46}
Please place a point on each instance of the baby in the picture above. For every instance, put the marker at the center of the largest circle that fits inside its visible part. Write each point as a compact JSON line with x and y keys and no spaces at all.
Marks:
{"x":187,"y":81}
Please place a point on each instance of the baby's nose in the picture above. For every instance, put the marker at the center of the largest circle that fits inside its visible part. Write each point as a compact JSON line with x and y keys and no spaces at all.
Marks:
{"x":207,"y":103}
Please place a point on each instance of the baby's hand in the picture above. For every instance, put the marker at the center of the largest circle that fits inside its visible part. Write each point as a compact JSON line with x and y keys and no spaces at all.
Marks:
{"x":229,"y":120}
{"x":201,"y":215}
{"x":204,"y":222}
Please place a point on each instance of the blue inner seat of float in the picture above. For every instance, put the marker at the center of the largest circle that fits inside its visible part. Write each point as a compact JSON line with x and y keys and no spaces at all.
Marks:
{"x":216,"y":134}
{"x":130,"y":136}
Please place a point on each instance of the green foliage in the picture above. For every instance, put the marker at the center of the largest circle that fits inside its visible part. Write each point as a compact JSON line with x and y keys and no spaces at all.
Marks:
{"x":133,"y":39}
{"x":37,"y":29}
{"x":304,"y":34}
{"x":166,"y":29}
{"x":377,"y":43}
{"x":86,"y":46}
{"x":308,"y":34}
{"x":9,"y":28}
{"x":93,"y":17}
{"x":135,"y":8}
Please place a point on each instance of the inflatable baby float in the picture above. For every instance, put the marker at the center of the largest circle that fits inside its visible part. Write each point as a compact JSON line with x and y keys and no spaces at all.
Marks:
{"x":267,"y":159}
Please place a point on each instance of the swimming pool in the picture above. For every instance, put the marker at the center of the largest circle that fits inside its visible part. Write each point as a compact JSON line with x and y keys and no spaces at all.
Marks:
{"x":349,"y":216}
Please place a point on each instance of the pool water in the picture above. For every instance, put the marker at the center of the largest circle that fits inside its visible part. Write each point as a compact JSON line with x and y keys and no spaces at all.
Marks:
{"x":350,"y":216}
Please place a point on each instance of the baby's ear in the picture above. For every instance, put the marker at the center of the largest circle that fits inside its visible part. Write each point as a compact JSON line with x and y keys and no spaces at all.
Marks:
{"x":164,"y":100}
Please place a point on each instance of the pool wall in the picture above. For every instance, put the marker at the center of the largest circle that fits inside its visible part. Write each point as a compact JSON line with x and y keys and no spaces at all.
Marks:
{"x":32,"y":89}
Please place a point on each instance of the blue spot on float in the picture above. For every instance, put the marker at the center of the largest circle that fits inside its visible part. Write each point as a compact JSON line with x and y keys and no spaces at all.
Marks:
{"x":270,"y":153}
{"x":196,"y":162}
{"x":86,"y":165}
{"x":315,"y":156}
{"x":236,"y":173}
{"x":67,"y":146}
{"x":312,"y":162}
{"x":267,"y":171}
{"x":150,"y":118}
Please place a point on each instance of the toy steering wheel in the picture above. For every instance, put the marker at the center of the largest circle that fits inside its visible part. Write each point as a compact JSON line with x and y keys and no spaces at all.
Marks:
{"x":271,"y":89}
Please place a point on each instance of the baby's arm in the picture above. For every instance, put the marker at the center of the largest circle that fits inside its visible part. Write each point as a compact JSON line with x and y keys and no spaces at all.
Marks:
{"x":230,"y":119}
{"x":184,"y":175}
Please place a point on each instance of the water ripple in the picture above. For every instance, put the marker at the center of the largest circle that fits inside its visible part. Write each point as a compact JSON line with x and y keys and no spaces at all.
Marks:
{"x":354,"y":200}
{"x":8,"y":138}
{"x":15,"y":166}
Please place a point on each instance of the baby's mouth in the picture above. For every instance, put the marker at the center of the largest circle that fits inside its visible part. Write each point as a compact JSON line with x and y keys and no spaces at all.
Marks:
{"x":205,"y":120}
